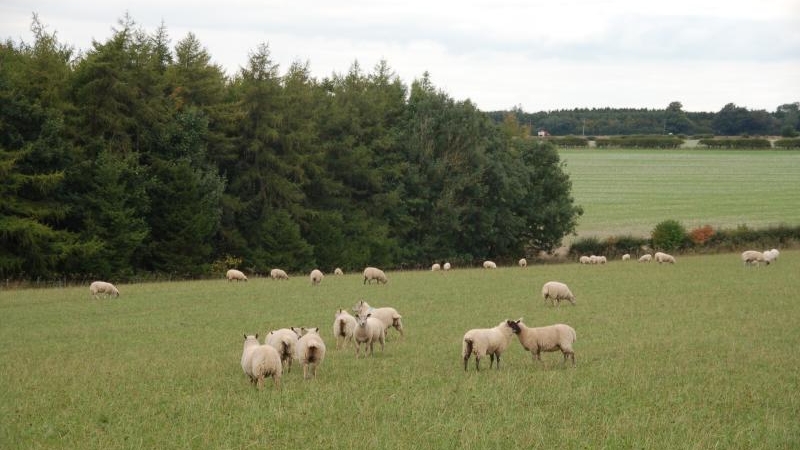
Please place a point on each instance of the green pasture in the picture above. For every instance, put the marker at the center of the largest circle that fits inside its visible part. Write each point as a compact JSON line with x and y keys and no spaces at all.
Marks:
{"x":697,"y":355}
{"x":627,"y":191}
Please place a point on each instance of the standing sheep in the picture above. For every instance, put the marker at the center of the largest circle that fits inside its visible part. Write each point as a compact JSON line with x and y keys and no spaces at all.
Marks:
{"x":753,"y":257}
{"x":555,"y":292}
{"x":343,"y":327}
{"x":316,"y":277}
{"x":663,"y":257}
{"x":446,"y":266}
{"x":646,"y":258}
{"x":770,"y":256}
{"x":486,"y":341}
{"x":103,"y":287}
{"x":368,"y":330}
{"x":387,"y":315}
{"x":285,"y":342}
{"x":310,"y":351}
{"x":278,"y":274}
{"x":545,"y":339}
{"x":585,"y":260}
{"x":626,"y":257}
{"x":373,"y":273}
{"x":260,"y":361}
{"x":338,"y":271}
{"x":234,"y":274}
{"x":435,"y":267}
{"x":523,"y":262}
{"x":489,"y":265}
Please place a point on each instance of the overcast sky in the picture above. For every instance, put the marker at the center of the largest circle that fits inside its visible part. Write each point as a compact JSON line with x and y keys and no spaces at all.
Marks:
{"x":539,"y":55}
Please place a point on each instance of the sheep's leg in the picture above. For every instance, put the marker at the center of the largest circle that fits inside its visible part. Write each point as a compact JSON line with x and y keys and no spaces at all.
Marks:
{"x":260,"y":382}
{"x":277,"y":381}
{"x":491,"y":360}
{"x":466,"y":360}
{"x":498,"y":361}
{"x":477,"y":363}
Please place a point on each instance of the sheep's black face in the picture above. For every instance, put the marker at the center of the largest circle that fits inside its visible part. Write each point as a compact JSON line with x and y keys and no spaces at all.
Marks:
{"x":513,"y":325}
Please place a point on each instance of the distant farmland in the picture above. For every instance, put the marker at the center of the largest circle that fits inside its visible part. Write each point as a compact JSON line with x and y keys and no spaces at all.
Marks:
{"x":627,"y":191}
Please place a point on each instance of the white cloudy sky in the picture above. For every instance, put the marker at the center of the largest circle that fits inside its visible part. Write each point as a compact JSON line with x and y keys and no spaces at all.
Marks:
{"x":540,"y":55}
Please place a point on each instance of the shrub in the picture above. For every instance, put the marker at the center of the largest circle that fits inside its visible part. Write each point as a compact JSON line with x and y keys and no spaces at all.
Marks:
{"x":223,"y":264}
{"x":669,"y":235}
{"x":699,"y":236}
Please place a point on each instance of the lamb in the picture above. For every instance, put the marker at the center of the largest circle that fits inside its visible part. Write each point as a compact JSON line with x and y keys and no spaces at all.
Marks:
{"x":626,"y":257}
{"x":278,"y":274}
{"x":646,"y":258}
{"x":545,"y":339}
{"x":523,"y":262}
{"x":435,"y":267}
{"x":753,"y":257}
{"x":486,"y":341}
{"x":584,"y":260}
{"x":343,"y":327}
{"x":663,"y":257}
{"x":234,"y":274}
{"x":338,"y":271}
{"x":373,"y":273}
{"x":387,"y":315}
{"x":446,"y":266}
{"x":316,"y":277}
{"x":103,"y":287}
{"x":284,"y":341}
{"x":310,"y":351}
{"x":489,"y":265}
{"x":260,"y":361}
{"x":555,"y":292}
{"x":368,"y":330}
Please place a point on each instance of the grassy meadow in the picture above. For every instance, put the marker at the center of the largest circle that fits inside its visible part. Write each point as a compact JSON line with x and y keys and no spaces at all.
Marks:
{"x":626,"y":191}
{"x":697,"y":355}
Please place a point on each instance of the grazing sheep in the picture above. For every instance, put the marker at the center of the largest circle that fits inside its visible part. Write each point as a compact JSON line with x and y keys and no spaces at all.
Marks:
{"x":368,"y":330}
{"x":284,"y":341}
{"x":343,"y":327}
{"x":489,"y":265}
{"x":316,"y":277}
{"x":387,"y":315}
{"x":663,"y":257}
{"x":770,"y":256}
{"x":338,"y":271}
{"x":545,"y":339}
{"x":234,"y":274}
{"x":753,"y":257}
{"x":486,"y":341}
{"x":626,"y":257}
{"x":646,"y":258}
{"x":278,"y":274}
{"x":373,"y":273}
{"x":584,"y":260}
{"x":435,"y":267}
{"x":523,"y":262}
{"x":446,"y":266}
{"x":102,"y":287}
{"x":555,"y":292}
{"x":310,"y":351}
{"x":260,"y":361}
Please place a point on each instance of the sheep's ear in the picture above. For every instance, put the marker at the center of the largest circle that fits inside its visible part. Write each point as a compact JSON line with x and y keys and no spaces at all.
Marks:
{"x":369,"y":314}
{"x":316,"y":330}
{"x":519,"y":320}
{"x":256,"y":335}
{"x":245,"y":336}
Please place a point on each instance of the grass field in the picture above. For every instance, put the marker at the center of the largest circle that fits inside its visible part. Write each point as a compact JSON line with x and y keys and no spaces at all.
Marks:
{"x":699,"y":355}
{"x":630,"y":191}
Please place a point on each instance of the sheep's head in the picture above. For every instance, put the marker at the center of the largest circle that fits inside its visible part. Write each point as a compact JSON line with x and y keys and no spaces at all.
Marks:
{"x":310,"y":331}
{"x":357,"y":307}
{"x":361,"y":320}
{"x":514,"y":325}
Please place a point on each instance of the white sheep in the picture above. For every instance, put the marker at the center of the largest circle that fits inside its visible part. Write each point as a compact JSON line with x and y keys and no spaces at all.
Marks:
{"x":344,"y":325}
{"x":646,"y":258}
{"x":373,"y":273}
{"x":601,"y":260}
{"x":753,"y":257}
{"x":770,"y":256}
{"x":316,"y":277}
{"x":284,"y":341}
{"x":545,"y":339}
{"x":661,"y":257}
{"x":489,"y":265}
{"x":278,"y":274}
{"x":234,"y":274}
{"x":584,"y":260}
{"x":626,"y":257}
{"x":338,"y":271}
{"x":523,"y":262}
{"x":555,"y":292}
{"x":102,"y":287}
{"x":260,"y":361}
{"x":310,"y":351}
{"x":486,"y":341}
{"x":446,"y":266}
{"x":387,"y":315}
{"x":435,"y":267}
{"x":369,"y":329}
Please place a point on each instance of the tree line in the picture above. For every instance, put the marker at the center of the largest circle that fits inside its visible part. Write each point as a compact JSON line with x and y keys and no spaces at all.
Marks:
{"x":136,"y":157}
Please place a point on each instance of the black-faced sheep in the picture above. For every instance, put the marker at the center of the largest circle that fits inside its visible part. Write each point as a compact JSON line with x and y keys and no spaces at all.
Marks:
{"x":486,"y":341}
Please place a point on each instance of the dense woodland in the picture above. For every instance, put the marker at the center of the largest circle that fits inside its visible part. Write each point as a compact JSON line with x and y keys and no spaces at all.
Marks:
{"x":136,"y":158}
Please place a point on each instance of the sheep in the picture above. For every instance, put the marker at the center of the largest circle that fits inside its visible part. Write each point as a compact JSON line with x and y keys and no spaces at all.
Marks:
{"x":486,"y":341}
{"x":584,"y":260}
{"x":446,"y":266}
{"x":770,"y":256}
{"x":103,"y":287}
{"x":284,"y":341}
{"x":489,"y":265}
{"x":373,"y":273}
{"x":278,"y":274}
{"x":646,"y":258}
{"x":600,"y":260}
{"x":663,"y":257}
{"x":234,"y":274}
{"x":753,"y":257}
{"x":387,"y":315}
{"x":260,"y":361}
{"x":368,"y":330}
{"x":310,"y":351}
{"x":316,"y":277}
{"x":545,"y":339}
{"x":338,"y":271}
{"x":555,"y":292}
{"x":435,"y":267}
{"x":626,"y":257}
{"x":523,"y":262}
{"x":343,"y":327}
